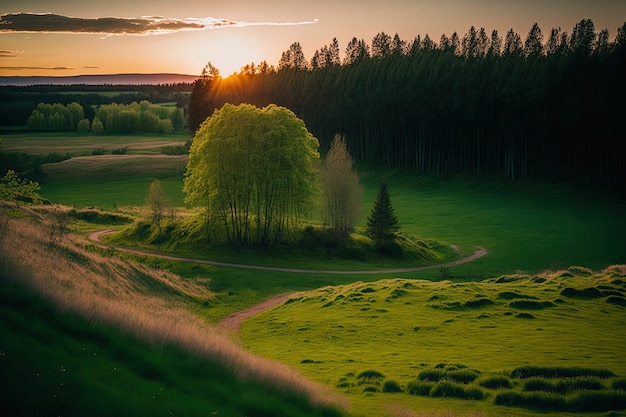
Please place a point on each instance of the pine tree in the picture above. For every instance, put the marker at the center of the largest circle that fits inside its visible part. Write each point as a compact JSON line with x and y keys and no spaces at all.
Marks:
{"x":382,"y":223}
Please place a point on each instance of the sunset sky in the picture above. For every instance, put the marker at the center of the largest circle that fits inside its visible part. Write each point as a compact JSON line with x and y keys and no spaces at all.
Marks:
{"x":71,"y":37}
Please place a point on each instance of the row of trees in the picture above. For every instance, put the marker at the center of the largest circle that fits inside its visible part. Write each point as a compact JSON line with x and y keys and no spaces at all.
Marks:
{"x":56,"y":117}
{"x":532,"y":108}
{"x":18,"y":102}
{"x":110,"y":118}
{"x":139,"y":117}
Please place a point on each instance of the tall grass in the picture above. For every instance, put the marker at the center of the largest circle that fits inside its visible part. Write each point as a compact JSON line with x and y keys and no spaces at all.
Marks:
{"x":152,"y":305}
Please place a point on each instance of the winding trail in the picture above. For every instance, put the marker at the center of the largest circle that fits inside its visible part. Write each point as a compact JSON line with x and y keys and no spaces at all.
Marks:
{"x":233,"y":322}
{"x":95,"y":237}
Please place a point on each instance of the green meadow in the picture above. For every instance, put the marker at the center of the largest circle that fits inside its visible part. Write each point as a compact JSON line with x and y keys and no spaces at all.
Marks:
{"x":399,"y":340}
{"x":442,"y":341}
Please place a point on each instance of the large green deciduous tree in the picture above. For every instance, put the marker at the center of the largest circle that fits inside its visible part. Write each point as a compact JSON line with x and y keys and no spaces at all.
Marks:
{"x":255,"y":170}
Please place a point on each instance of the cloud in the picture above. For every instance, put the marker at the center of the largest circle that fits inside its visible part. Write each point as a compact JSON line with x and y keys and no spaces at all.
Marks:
{"x":9,"y":54}
{"x":147,"y":25}
{"x":37,"y":68}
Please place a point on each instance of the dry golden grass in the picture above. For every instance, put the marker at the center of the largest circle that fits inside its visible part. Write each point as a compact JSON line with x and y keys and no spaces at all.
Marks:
{"x":150,"y":304}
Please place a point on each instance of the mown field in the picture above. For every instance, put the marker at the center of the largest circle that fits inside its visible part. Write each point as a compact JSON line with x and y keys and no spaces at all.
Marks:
{"x":466,"y":319}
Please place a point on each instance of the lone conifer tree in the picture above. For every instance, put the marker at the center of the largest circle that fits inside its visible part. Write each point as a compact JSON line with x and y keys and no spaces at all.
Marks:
{"x":382,"y":223}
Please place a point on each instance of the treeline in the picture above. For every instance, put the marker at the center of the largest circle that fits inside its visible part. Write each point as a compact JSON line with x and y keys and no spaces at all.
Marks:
{"x":17,"y":103}
{"x":142,"y":117}
{"x":546,"y":107}
{"x":56,"y":117}
{"x":139,"y":117}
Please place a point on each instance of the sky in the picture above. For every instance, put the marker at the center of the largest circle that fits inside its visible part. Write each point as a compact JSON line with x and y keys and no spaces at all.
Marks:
{"x":73,"y":37}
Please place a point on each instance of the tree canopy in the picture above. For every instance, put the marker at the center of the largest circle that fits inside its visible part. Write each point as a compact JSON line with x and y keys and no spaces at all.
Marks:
{"x":255,"y":170}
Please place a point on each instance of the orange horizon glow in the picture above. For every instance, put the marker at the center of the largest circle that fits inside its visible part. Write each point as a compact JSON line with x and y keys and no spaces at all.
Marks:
{"x":154,"y":37}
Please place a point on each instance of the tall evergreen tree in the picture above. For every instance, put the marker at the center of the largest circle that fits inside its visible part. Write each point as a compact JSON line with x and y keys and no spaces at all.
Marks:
{"x":382,"y":224}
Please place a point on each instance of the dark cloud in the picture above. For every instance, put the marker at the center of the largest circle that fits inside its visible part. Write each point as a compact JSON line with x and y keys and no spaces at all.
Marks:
{"x":9,"y":54}
{"x":37,"y":68}
{"x":54,"y":23}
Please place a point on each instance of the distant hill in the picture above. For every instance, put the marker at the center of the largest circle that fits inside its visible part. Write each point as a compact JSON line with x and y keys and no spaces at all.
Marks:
{"x":112,"y":79}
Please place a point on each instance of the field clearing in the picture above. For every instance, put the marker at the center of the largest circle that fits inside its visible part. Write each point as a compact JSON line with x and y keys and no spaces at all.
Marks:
{"x":112,"y":181}
{"x":401,"y":328}
{"x":85,"y":144}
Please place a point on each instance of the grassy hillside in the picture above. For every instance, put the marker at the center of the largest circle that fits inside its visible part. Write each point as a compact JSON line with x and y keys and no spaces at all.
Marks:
{"x":82,"y":333}
{"x":401,"y":341}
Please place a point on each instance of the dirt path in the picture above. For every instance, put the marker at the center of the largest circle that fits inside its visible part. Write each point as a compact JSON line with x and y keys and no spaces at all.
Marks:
{"x":95,"y":238}
{"x":233,"y":322}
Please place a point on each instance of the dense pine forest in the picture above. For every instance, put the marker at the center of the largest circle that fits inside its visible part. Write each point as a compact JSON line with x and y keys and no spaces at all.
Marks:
{"x":544,"y":106}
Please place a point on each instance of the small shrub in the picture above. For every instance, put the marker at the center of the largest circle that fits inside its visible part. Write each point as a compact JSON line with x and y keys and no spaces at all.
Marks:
{"x":496,"y":382}
{"x":509,"y":295}
{"x":538,"y":384}
{"x":598,"y":401}
{"x":120,"y":151}
{"x":174,"y":150}
{"x":370,"y":376}
{"x":578,"y":384}
{"x":619,"y":301}
{"x":530,"y":305}
{"x":418,"y":387}
{"x":474,"y":394}
{"x":559,"y":372}
{"x":527,"y":316}
{"x":463,"y":376}
{"x":534,"y":401}
{"x":481,"y":302}
{"x":370,"y":388}
{"x":619,"y":384}
{"x":391,"y":386}
{"x":509,"y":399}
{"x":432,"y":375}
{"x":98,"y":151}
{"x":449,"y":389}
{"x":587,"y":293}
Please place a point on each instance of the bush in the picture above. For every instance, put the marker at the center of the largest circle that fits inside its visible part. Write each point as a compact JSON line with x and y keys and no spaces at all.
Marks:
{"x":463,"y":376}
{"x":391,"y":386}
{"x":449,"y":389}
{"x":418,"y":387}
{"x":120,"y":151}
{"x":370,"y":376}
{"x":559,"y":372}
{"x":578,"y":384}
{"x":174,"y":150}
{"x":432,"y":375}
{"x":496,"y":382}
{"x":598,"y":401}
{"x":619,"y":384}
{"x":481,"y":302}
{"x":538,"y":384}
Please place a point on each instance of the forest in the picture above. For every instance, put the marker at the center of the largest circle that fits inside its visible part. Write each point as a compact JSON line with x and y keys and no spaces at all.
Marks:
{"x":546,"y":106}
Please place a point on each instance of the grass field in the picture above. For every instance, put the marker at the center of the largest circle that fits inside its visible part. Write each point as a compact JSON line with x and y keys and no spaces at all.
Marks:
{"x":402,"y":325}
{"x":404,"y":329}
{"x":82,"y":333}
{"x":84,"y":144}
